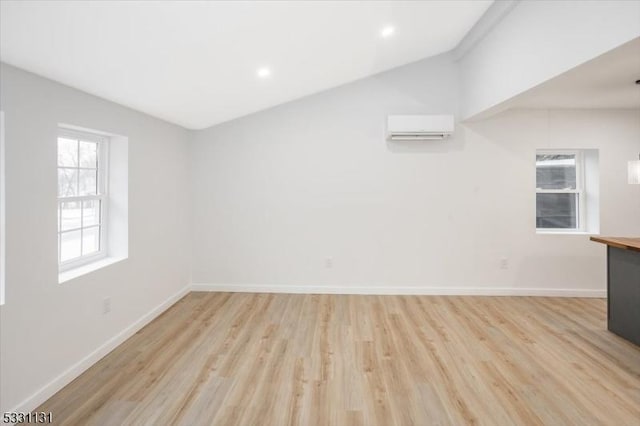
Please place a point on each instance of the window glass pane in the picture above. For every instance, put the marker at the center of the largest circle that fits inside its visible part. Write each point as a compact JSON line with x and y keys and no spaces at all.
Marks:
{"x":88,"y":154}
{"x":67,"y":152}
{"x":91,"y":212}
{"x":67,"y":182}
{"x":70,"y":215}
{"x":556,"y":171}
{"x":90,"y":240}
{"x":88,"y":182}
{"x":69,"y":245}
{"x":557,"y":211}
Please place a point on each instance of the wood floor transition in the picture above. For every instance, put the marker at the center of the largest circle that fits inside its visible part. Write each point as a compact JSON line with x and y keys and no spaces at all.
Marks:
{"x":279,"y":359}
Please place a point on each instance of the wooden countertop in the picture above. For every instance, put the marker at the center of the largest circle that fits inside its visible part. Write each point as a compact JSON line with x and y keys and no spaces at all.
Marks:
{"x":619,"y":242}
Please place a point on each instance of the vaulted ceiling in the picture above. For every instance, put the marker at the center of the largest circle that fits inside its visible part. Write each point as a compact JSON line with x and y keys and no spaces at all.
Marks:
{"x":198,"y":64}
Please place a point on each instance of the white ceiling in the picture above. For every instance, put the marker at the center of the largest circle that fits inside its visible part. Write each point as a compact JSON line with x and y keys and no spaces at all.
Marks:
{"x":607,"y":81}
{"x":195,"y":63}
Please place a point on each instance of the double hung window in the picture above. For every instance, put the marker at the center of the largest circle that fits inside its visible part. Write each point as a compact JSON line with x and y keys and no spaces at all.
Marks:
{"x":82,"y":198}
{"x":560,"y":195}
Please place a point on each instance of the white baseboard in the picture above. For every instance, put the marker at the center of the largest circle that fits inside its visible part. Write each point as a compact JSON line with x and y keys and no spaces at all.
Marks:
{"x":400,"y":290}
{"x":48,"y":390}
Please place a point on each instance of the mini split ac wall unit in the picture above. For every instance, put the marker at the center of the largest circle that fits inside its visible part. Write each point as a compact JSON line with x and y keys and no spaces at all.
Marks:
{"x":419,"y":127}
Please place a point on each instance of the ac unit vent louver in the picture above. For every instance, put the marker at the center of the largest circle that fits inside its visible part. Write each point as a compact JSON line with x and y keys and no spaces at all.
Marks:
{"x":419,"y":127}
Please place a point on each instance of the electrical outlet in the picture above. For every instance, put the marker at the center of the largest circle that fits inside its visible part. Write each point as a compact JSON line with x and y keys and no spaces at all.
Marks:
{"x":106,"y":305}
{"x":328,"y":262}
{"x":504,"y":263}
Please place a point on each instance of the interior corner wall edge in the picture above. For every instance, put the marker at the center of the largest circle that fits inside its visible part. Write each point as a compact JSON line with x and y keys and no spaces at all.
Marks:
{"x":46,"y":328}
{"x":310,"y":192}
{"x":531,"y":45}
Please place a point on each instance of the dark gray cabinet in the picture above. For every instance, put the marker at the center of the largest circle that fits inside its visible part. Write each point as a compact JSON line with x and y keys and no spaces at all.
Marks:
{"x":623,"y":291}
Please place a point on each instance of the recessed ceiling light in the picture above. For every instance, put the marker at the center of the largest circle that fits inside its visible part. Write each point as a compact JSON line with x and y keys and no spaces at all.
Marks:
{"x":387,"y":31}
{"x":263,"y":72}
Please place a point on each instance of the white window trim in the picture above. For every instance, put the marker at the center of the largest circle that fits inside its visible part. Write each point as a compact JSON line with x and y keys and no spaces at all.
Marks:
{"x":103,"y":196}
{"x":580,"y":190}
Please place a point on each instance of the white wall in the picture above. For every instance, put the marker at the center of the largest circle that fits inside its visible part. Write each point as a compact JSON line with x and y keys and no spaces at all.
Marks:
{"x":539,"y":40}
{"x":277,"y":192}
{"x":46,"y":327}
{"x":270,"y":197}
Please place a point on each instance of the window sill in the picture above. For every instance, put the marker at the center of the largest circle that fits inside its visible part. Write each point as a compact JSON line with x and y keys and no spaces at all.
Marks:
{"x":88,"y":268}
{"x":566,"y":232}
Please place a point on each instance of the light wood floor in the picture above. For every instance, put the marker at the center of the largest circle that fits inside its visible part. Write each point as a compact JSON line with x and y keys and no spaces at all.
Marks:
{"x":265,"y":359}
